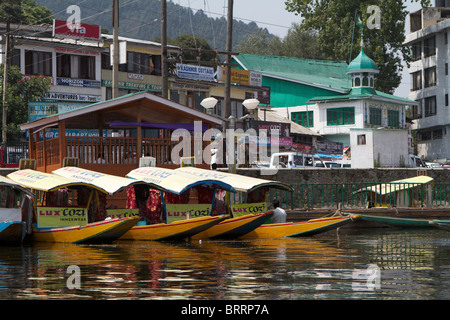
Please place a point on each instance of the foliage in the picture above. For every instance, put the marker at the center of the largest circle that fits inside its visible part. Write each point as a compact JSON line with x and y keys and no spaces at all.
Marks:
{"x":24,"y":11}
{"x":334,"y":21}
{"x":298,"y":43}
{"x":18,"y":93}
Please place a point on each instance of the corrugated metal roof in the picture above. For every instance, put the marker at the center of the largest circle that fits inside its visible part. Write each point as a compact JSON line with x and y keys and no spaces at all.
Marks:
{"x":322,"y":73}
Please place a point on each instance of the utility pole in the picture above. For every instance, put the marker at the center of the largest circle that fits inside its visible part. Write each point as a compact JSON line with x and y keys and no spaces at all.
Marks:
{"x":164,"y":66}
{"x":227,"y":99}
{"x":115,"y":71}
{"x":5,"y":80}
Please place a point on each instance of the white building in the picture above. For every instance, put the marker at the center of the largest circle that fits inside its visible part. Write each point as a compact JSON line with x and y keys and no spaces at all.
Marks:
{"x":429,"y":39}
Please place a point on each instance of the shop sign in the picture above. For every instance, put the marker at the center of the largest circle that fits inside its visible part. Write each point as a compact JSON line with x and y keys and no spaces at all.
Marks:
{"x":192,"y":72}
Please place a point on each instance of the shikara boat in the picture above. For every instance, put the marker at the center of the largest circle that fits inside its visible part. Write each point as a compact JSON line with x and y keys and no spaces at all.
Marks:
{"x":441,"y":224}
{"x":68,"y":223}
{"x":233,"y":228}
{"x":399,"y":193}
{"x":15,"y":218}
{"x":299,"y":229}
{"x":186,"y":225}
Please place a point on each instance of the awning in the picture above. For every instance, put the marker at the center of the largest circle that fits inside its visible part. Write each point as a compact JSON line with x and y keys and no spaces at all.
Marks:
{"x":398,"y":185}
{"x":238,"y":182}
{"x":175,"y":181}
{"x":43,"y":181}
{"x":107,"y":183}
{"x":9,"y":183}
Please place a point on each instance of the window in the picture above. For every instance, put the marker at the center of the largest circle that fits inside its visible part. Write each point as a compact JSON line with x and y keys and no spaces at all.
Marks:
{"x":142,"y":63}
{"x":430,"y":77}
{"x":430,"y":106}
{"x":75,"y":66}
{"x":393,"y":118}
{"x":340,"y":116}
{"x":361,"y":139}
{"x":423,"y":135}
{"x":375,"y":116}
{"x":305,"y":118}
{"x":429,"y":46}
{"x":437,"y":134}
{"x":38,"y":63}
{"x":416,"y":51}
{"x":446,"y":100}
{"x":417,"y":80}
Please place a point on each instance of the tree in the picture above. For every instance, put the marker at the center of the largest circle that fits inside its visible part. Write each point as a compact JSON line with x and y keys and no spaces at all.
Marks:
{"x":24,"y":11}
{"x":19,"y":92}
{"x":204,"y":56}
{"x":298,"y":43}
{"x":334,"y":21}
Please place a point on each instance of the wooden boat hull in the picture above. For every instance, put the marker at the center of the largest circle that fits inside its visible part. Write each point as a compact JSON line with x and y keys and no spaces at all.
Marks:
{"x":400,"y":222}
{"x":104,"y":231}
{"x":177,"y":230}
{"x":12,"y":232}
{"x":299,"y":229}
{"x":441,"y":224}
{"x":233,"y":228}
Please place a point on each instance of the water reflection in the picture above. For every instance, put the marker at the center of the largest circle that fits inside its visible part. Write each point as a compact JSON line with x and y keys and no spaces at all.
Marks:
{"x":412,"y":265}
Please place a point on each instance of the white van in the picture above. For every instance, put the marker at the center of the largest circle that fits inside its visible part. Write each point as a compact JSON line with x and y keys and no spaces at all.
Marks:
{"x":416,"y":162}
{"x":295,"y":160}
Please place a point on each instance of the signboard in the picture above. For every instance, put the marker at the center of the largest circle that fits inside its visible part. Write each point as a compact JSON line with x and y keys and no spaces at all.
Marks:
{"x":242,"y":209}
{"x":38,"y":110}
{"x":61,"y":217}
{"x":134,"y":86}
{"x":122,"y":213}
{"x":78,"y":31}
{"x":243,"y":77}
{"x":329,"y":147}
{"x":192,"y":72}
{"x":78,"y":83}
{"x":176,"y":212}
{"x":283,"y":128}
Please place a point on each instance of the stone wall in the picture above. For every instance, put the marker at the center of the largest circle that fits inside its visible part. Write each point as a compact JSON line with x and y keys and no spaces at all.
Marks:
{"x":335,"y":175}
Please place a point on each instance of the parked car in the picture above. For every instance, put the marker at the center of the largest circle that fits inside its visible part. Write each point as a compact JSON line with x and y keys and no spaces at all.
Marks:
{"x":338,"y":164}
{"x":295,"y":160}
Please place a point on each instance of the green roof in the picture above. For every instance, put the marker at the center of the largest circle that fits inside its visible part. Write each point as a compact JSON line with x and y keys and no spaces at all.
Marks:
{"x":321,"y":73}
{"x":362,"y":63}
{"x":365,"y":93}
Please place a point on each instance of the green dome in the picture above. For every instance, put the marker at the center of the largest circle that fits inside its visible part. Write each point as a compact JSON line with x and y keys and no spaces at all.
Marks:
{"x":362,"y":63}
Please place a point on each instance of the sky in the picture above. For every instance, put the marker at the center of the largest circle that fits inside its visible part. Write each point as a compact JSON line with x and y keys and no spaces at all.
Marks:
{"x":271,"y":14}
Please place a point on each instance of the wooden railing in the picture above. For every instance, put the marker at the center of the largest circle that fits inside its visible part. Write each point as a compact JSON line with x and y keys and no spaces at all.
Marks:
{"x":108,"y":150}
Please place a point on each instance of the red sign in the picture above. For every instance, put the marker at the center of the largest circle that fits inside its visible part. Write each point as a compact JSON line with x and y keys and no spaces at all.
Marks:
{"x":76,"y":31}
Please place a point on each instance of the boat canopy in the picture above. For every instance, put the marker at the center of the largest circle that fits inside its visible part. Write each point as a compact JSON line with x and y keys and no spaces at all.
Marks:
{"x":44,"y":181}
{"x":398,"y":185}
{"x":175,"y":181}
{"x":10,"y":183}
{"x":108,"y":183}
{"x":238,"y":182}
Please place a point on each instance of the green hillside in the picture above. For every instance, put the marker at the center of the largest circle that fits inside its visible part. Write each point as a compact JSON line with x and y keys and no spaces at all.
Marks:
{"x":140,"y":19}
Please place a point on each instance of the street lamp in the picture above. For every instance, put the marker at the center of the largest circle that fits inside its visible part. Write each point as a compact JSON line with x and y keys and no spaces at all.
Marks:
{"x":250,"y":104}
{"x":209,"y":104}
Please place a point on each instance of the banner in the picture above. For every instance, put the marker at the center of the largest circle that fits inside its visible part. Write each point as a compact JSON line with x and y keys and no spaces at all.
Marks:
{"x":61,"y":217}
{"x":176,"y":212}
{"x":122,"y":213}
{"x":243,"y":209}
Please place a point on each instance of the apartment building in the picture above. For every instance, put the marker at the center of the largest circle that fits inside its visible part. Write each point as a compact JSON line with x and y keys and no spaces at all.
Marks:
{"x":429,"y":39}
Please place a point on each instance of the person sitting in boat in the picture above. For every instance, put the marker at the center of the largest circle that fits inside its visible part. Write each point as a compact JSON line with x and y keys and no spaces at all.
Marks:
{"x":279,"y":215}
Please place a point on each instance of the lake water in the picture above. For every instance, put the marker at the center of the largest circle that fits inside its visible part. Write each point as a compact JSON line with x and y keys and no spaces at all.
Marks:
{"x":354,"y":264}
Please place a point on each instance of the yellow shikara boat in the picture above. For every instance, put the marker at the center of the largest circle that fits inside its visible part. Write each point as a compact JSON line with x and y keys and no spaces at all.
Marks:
{"x":104,"y":231}
{"x":174,"y":182}
{"x":68,"y":224}
{"x":176,"y":230}
{"x":298,"y":229}
{"x":233,"y":228}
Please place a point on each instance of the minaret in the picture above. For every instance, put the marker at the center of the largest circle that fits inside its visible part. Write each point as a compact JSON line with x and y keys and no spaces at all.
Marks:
{"x":363,"y":70}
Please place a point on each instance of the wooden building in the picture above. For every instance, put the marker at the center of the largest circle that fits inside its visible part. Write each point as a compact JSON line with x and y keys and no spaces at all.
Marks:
{"x":115,"y":152}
